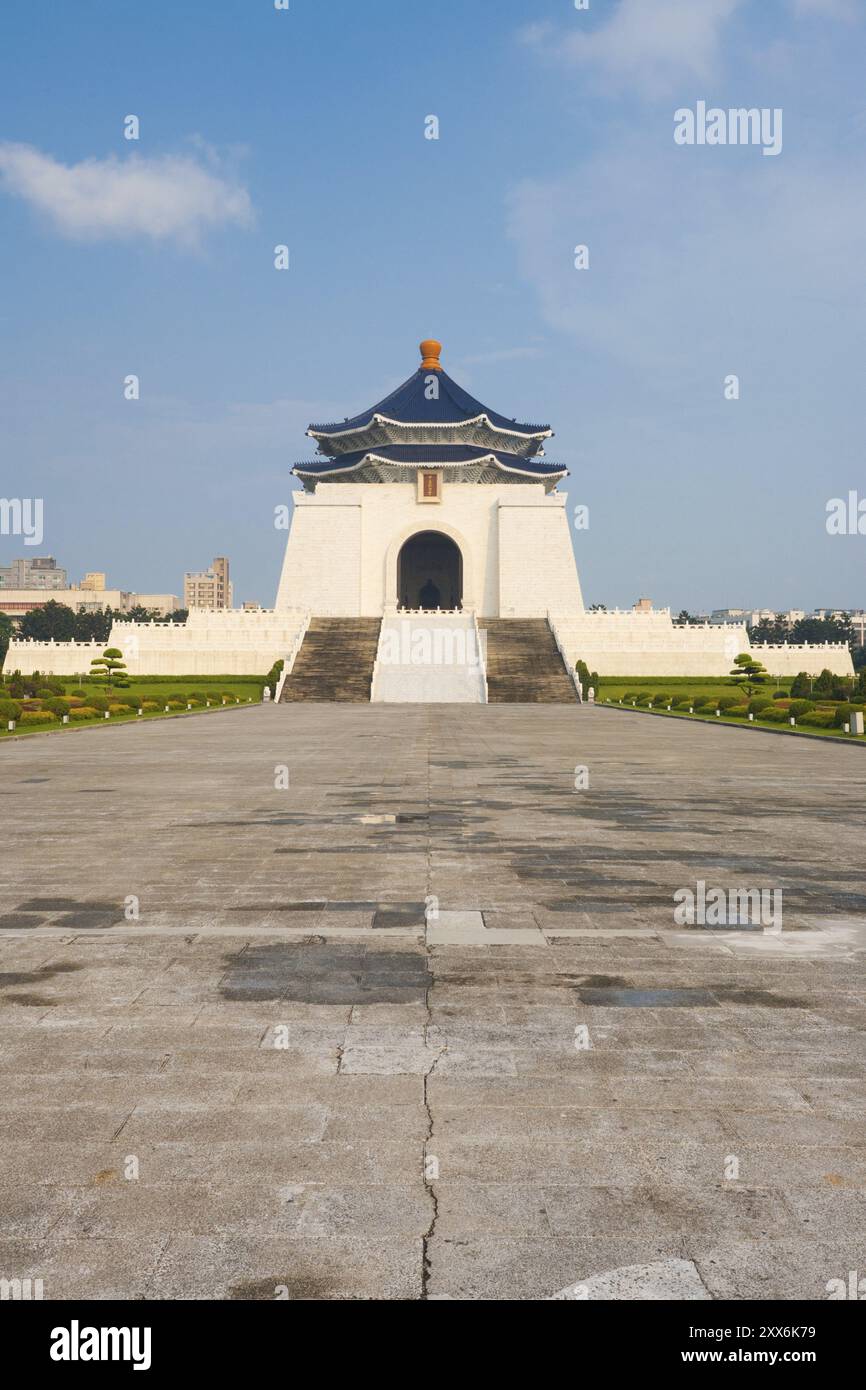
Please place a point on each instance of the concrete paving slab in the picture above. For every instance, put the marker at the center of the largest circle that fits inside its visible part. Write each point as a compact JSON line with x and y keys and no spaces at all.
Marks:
{"x":328,"y":1096}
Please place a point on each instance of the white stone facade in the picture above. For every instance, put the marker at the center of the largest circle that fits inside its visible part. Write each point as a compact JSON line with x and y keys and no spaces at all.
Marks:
{"x":343,"y":548}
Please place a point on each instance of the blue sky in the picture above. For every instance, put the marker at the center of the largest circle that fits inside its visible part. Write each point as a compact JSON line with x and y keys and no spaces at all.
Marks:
{"x":306,"y":127}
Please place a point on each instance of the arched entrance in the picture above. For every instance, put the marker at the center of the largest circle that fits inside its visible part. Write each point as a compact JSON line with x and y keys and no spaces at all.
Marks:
{"x":430,"y":572}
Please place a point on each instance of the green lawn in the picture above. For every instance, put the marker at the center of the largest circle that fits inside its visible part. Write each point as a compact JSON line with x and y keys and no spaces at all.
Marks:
{"x":161,"y":687}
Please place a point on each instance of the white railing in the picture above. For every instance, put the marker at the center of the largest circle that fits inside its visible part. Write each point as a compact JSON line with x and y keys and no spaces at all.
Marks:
{"x":292,"y":656}
{"x":482,"y":656}
{"x":572,"y":670}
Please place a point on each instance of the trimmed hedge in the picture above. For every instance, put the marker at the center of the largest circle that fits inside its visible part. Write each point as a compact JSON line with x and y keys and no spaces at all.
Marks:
{"x":37,"y":716}
{"x":819,"y":719}
{"x":82,"y":712}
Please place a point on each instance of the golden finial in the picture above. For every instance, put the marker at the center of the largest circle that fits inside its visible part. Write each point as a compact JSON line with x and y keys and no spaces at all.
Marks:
{"x":430,"y":351}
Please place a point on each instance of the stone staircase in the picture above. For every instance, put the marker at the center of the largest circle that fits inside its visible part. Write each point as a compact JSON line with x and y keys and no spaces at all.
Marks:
{"x":335,"y":662}
{"x":524,"y":665}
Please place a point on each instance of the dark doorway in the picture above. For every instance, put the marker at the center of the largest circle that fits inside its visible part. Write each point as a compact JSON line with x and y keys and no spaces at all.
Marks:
{"x":430,"y":572}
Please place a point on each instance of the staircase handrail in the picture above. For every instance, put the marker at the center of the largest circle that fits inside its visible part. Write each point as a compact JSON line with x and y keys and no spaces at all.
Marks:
{"x":289,"y":661}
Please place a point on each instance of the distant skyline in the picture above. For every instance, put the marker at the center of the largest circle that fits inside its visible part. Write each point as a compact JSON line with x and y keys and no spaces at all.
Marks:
{"x":154,"y":258}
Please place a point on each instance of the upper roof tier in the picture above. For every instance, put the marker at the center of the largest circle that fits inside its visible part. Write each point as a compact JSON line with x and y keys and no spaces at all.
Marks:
{"x":429,"y":407}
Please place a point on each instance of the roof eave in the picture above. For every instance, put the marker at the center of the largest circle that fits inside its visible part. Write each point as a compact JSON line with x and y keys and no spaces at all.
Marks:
{"x":525,"y":431}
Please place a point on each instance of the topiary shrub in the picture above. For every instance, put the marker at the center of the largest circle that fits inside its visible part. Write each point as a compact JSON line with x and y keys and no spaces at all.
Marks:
{"x":195,"y":698}
{"x":10,"y":709}
{"x":176,"y":704}
{"x":46,"y":693}
{"x":683,"y":702}
{"x":736,"y":711}
{"x":213,"y":695}
{"x":728,"y":701}
{"x":758,"y":703}
{"x":780,"y":694}
{"x":97,"y":702}
{"x":79,"y":694}
{"x":57,"y":706}
{"x":661,"y":698}
{"x":800,"y":707}
{"x":148,"y":705}
{"x":273,"y":677}
{"x":82,"y":712}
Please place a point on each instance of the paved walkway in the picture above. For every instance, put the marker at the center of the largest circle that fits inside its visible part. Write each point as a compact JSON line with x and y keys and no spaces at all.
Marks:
{"x":242,"y":992}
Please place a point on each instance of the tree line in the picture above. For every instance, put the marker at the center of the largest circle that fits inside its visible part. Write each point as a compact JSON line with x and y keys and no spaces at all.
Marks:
{"x":57,"y":621}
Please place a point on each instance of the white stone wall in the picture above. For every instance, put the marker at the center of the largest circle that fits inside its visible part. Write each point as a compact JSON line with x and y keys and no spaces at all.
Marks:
{"x":225,"y":642}
{"x":341,"y":556}
{"x":789,"y":658}
{"x":429,"y":658}
{"x":634,"y":643}
{"x":52,"y":658}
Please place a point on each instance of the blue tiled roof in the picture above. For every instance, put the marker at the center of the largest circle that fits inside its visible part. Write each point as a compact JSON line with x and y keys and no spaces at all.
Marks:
{"x":443,"y":454}
{"x":409,"y":405}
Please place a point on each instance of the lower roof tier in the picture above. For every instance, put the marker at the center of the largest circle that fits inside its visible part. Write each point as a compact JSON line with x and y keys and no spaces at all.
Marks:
{"x":394,"y":463}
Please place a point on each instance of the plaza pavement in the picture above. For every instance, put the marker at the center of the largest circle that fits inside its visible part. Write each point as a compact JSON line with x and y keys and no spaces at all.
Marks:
{"x":324,"y":1098}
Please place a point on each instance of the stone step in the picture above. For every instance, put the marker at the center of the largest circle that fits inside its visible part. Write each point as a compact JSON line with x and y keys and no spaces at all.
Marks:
{"x":335,"y":662}
{"x":524,"y":665}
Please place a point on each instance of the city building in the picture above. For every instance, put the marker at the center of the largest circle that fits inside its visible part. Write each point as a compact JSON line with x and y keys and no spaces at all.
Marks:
{"x":210,"y":588}
{"x":33,"y":572}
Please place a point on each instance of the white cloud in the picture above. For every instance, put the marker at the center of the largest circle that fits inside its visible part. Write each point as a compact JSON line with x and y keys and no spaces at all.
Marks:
{"x":684,"y":254}
{"x":652,"y":46}
{"x":170,"y":197}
